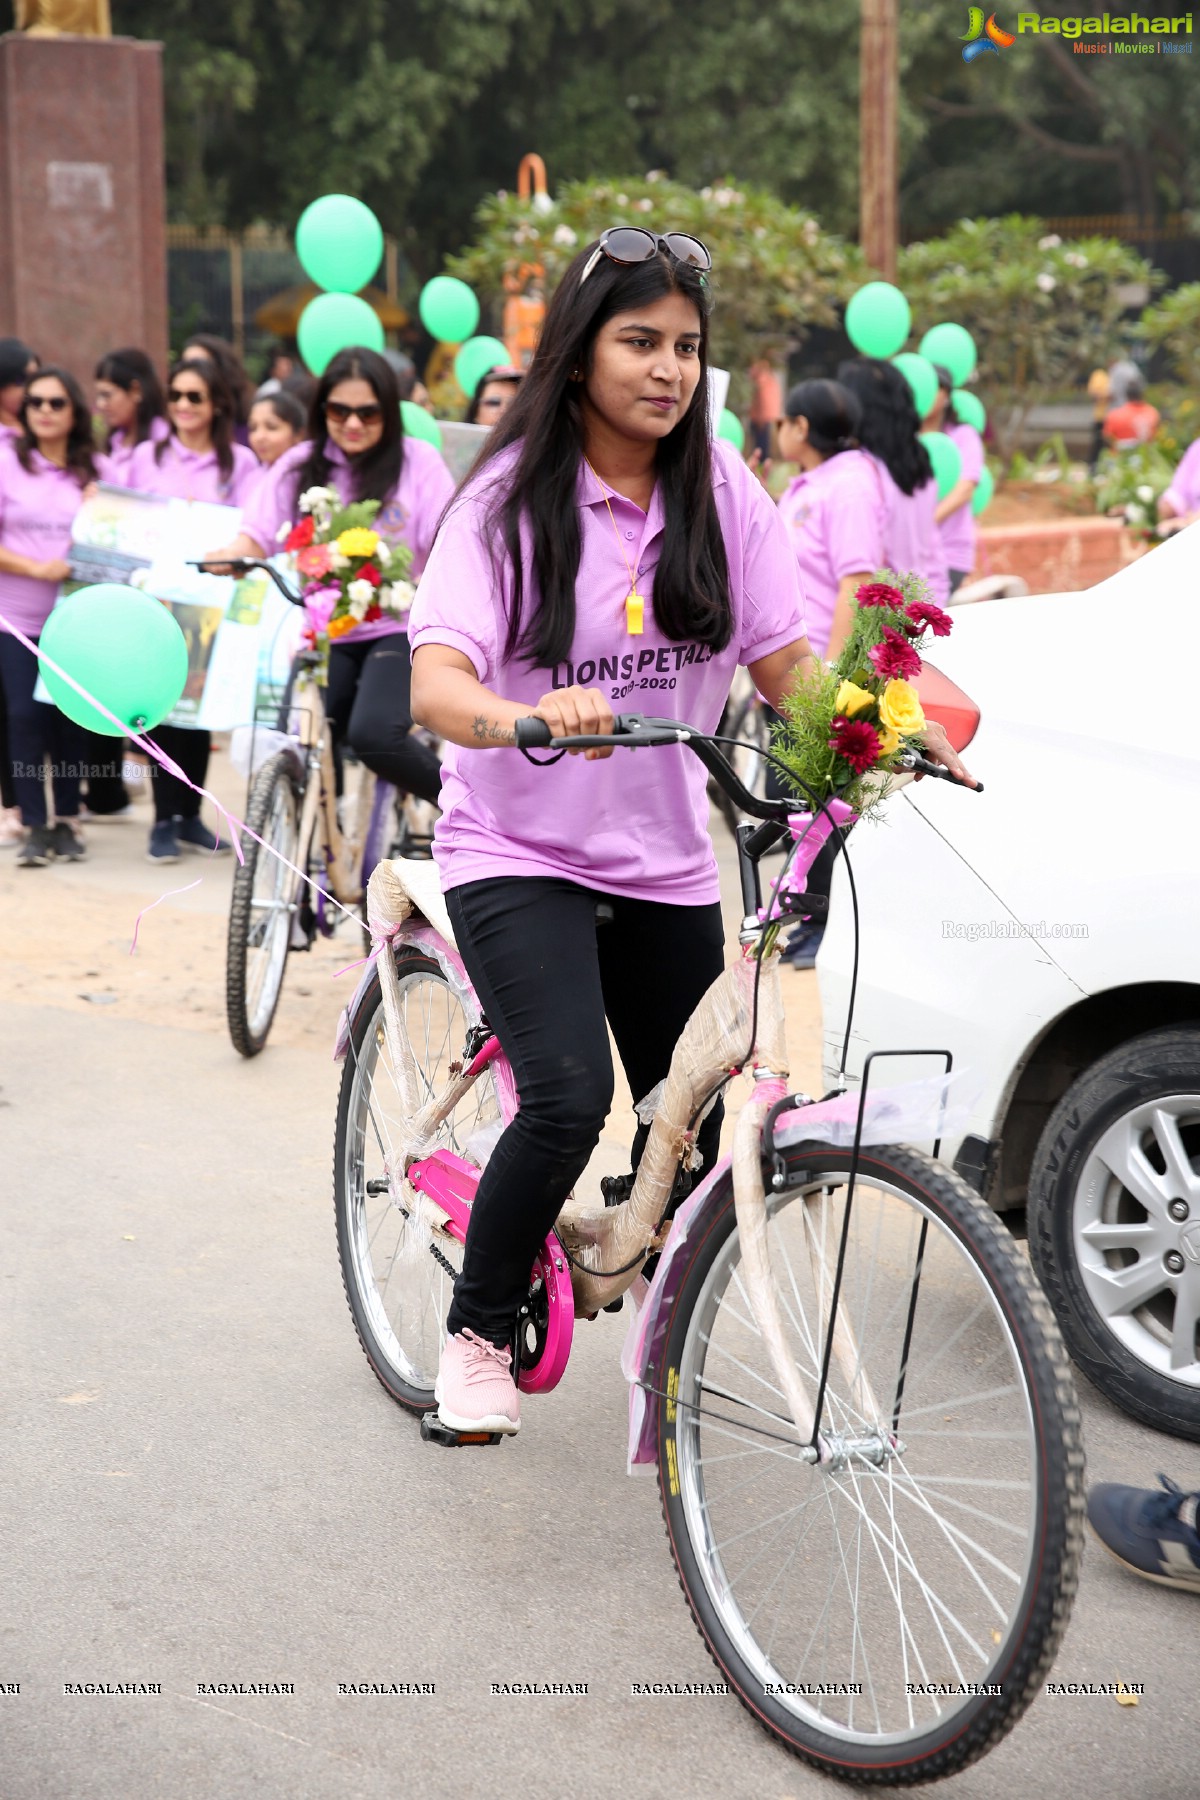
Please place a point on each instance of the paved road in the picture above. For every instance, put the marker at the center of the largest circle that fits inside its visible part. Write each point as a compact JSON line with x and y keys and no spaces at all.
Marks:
{"x":204,"y":1484}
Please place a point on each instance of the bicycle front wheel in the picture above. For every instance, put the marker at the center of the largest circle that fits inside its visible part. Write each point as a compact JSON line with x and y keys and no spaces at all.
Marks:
{"x":398,"y":1269}
{"x":888,"y":1614}
{"x":263,"y":906}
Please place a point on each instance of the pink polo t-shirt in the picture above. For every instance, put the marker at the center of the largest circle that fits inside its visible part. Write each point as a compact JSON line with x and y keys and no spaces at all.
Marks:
{"x":634,"y":824}
{"x":113,"y":464}
{"x":1184,"y":491}
{"x":188,"y":475}
{"x":958,"y":531}
{"x":37,"y":510}
{"x":911,"y":542}
{"x":834,"y":520}
{"x":409,"y":515}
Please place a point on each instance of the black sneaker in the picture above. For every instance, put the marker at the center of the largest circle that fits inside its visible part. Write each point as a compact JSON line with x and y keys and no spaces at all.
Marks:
{"x":66,"y":842}
{"x":1153,"y":1534}
{"x":37,"y":850}
{"x":193,"y":834}
{"x":164,"y":846}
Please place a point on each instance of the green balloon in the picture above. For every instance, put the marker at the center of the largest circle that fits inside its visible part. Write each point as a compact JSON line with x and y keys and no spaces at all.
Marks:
{"x":946,"y":458}
{"x":477,"y":356}
{"x":921,"y":377}
{"x":340,"y":243}
{"x":418,"y":423}
{"x":125,"y":648}
{"x":953,"y":347}
{"x":969,"y":408}
{"x":878,"y":319}
{"x":729,"y":426}
{"x":984,"y":489}
{"x":449,"y":310}
{"x":334,"y":322}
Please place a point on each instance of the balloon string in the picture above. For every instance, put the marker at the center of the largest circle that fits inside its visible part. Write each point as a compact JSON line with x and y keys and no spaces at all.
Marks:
{"x":169,"y":895}
{"x":151,"y":749}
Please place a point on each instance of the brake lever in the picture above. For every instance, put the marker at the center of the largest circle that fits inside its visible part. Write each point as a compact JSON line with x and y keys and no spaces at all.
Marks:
{"x":913,"y":761}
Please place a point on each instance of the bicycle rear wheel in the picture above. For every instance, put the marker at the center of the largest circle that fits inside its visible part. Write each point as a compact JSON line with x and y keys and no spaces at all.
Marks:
{"x":865,"y":1608}
{"x":398,"y":1269}
{"x":263,"y":906}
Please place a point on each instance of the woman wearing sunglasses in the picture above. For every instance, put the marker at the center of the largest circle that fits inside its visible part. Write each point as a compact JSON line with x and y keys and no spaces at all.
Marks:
{"x":358,"y":445}
{"x":605,"y":555}
{"x":197,"y":460}
{"x":43,"y":473}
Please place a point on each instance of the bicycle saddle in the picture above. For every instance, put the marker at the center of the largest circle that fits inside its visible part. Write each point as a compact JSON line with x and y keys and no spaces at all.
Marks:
{"x":399,"y":888}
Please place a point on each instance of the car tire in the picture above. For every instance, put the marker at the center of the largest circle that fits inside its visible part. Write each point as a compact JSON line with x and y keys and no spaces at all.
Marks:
{"x":1114,"y":1225}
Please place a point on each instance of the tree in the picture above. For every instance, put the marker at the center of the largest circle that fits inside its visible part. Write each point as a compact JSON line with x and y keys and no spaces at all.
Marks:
{"x":1174,"y":323}
{"x":1043,"y":313}
{"x":776,"y":273}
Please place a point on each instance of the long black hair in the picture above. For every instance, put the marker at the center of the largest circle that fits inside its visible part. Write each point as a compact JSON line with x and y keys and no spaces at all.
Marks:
{"x":691,"y":583}
{"x":889,"y":420}
{"x":224,"y":410}
{"x":946,"y":384}
{"x":81,"y":459}
{"x":377,"y":470}
{"x":124,"y":368}
{"x":832,"y":412}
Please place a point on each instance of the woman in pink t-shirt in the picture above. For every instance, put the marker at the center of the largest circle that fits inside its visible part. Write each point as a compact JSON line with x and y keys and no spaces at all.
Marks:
{"x":357,"y":444}
{"x":953,"y":516}
{"x":129,"y":398}
{"x":43,"y":473}
{"x":890,"y":432}
{"x":605,"y":555}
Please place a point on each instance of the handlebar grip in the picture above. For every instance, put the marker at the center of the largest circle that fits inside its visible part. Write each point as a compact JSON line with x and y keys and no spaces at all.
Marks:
{"x":533,"y":734}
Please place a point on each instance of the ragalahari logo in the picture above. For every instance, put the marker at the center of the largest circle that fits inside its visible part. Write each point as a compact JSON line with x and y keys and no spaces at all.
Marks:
{"x":979,"y":36}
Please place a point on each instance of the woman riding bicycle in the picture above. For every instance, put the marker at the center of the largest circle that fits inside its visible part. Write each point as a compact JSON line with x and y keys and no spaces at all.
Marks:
{"x":358,"y":445}
{"x":605,"y":551}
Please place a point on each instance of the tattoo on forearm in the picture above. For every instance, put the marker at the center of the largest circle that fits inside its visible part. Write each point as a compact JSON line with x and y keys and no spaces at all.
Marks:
{"x":487,"y":731}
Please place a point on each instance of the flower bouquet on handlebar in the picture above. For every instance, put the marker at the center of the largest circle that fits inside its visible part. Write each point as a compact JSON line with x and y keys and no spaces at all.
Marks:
{"x":351,"y":574}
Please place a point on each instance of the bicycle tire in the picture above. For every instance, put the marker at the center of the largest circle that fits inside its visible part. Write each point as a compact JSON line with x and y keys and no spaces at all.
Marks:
{"x":400,"y":1331}
{"x":696,"y":1508}
{"x":274,"y":815}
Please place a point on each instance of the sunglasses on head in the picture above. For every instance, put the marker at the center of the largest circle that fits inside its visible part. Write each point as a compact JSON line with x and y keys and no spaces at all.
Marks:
{"x":629,"y":244}
{"x":186,"y":396}
{"x":340,"y":414}
{"x":51,"y":402}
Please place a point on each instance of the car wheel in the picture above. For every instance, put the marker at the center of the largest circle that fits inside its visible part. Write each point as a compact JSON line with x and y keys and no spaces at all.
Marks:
{"x":1114,"y":1225}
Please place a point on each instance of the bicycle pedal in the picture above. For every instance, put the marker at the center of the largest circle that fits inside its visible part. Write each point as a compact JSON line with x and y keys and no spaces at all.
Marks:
{"x":435,"y":1432}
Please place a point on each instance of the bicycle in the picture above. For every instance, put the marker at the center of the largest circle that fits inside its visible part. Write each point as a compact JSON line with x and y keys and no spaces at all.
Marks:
{"x":867,"y":1439}
{"x":321,"y":845}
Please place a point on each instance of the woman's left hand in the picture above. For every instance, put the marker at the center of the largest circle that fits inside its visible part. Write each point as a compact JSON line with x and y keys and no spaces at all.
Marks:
{"x":939,"y":749}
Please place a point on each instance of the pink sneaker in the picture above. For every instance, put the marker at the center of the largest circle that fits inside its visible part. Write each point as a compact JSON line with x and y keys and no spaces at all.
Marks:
{"x":474,"y":1389}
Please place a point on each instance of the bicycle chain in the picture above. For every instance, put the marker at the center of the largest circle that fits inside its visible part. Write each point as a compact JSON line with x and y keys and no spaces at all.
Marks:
{"x":437,"y":1256}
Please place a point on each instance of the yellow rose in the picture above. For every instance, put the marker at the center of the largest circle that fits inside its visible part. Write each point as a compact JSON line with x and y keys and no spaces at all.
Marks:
{"x":357,"y":540}
{"x":851,"y":699}
{"x":900,"y":710}
{"x":889,"y":740}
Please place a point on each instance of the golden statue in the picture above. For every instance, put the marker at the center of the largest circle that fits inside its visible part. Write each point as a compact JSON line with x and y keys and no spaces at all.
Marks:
{"x":64,"y":18}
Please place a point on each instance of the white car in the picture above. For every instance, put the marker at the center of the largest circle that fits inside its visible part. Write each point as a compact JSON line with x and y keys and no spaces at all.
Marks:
{"x":1047,"y":932}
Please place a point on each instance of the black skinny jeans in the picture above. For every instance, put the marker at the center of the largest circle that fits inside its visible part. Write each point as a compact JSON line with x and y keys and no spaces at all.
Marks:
{"x":37,"y":734}
{"x":368,"y":702}
{"x":548,"y":976}
{"x":174,"y":799}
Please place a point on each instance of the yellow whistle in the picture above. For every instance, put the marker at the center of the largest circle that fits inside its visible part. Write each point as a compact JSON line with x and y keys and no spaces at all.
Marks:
{"x":634,"y":609}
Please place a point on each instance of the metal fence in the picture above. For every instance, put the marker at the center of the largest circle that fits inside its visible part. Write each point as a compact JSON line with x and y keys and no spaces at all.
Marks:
{"x":217,"y":281}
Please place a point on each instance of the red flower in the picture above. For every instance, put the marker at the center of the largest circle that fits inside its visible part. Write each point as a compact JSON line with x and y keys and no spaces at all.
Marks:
{"x":369,"y":572}
{"x":895,"y":657}
{"x":923,"y":613}
{"x":879,"y":593}
{"x":856,"y":742}
{"x":372,"y":613}
{"x":300,"y":535}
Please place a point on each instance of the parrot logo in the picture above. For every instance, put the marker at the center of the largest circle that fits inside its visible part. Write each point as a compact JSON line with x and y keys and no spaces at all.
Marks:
{"x":979,"y":36}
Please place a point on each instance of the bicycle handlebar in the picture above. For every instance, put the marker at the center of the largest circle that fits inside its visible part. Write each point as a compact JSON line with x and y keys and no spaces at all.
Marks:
{"x":241,"y":564}
{"x":634,"y":731}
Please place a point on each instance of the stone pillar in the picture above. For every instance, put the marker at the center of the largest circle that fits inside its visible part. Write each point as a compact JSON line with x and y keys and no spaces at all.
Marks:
{"x":82,"y":214}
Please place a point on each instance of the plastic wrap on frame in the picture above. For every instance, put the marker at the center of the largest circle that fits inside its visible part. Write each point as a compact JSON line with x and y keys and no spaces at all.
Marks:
{"x":715,"y":1039}
{"x":912,"y":1112}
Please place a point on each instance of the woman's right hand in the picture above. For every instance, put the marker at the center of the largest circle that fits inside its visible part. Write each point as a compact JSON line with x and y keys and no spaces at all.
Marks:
{"x":54,"y":570}
{"x":217,"y":562}
{"x":578,"y":712}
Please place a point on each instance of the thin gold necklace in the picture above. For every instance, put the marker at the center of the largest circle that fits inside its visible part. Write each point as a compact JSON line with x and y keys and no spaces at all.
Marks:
{"x":635,"y":606}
